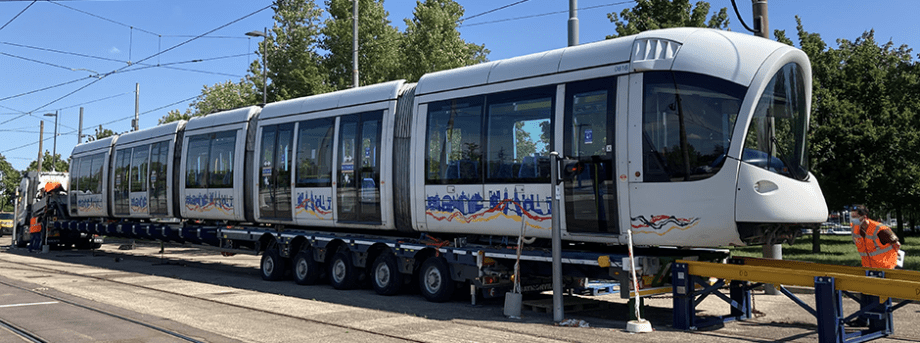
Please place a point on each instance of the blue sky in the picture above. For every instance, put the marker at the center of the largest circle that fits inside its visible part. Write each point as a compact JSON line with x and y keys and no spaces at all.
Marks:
{"x":53,"y":43}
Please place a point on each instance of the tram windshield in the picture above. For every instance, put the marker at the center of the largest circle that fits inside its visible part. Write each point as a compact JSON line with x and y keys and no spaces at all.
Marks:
{"x":777,"y":137}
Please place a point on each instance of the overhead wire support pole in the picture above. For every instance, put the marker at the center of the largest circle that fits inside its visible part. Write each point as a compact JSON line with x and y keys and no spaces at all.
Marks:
{"x":354,"y":56}
{"x":761,"y":19}
{"x":573,"y":22}
{"x":137,"y":102}
{"x":762,"y":29}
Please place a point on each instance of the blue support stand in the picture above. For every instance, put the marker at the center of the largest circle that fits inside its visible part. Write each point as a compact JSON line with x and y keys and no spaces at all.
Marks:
{"x":685,"y":299}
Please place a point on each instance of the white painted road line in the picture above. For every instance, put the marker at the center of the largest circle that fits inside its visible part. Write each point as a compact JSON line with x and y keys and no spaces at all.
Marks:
{"x":32,"y":304}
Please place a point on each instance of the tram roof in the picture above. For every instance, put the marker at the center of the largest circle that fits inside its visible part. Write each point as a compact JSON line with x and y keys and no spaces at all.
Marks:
{"x":164,"y":130}
{"x":98,"y":144}
{"x":350,"y":97}
{"x":729,"y":55}
{"x":235,"y":116}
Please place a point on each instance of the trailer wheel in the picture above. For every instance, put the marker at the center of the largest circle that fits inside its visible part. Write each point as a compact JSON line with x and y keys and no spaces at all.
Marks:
{"x":434,"y":280}
{"x":272,"y":265}
{"x":306,"y":270}
{"x":385,"y":273}
{"x":342,"y":274}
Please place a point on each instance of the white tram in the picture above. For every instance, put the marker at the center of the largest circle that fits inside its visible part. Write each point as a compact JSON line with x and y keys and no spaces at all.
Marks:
{"x":691,"y":137}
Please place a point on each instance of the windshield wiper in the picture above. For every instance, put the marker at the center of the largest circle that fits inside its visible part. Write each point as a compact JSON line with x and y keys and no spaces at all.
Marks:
{"x":782,"y":159}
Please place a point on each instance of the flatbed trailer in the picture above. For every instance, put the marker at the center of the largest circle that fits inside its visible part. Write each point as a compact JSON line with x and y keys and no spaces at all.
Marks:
{"x":486,"y":265}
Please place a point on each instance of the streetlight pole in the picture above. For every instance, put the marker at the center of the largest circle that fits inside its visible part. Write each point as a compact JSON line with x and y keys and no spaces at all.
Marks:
{"x":264,"y":35}
{"x":54,"y":148}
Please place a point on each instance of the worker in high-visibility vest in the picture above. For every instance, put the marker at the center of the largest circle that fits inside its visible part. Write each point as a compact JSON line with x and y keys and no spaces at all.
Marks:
{"x":877,"y":244}
{"x":35,"y":229}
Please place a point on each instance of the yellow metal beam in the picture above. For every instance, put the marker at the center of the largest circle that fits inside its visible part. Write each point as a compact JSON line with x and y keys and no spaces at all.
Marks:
{"x":893,"y":274}
{"x":903,"y":289}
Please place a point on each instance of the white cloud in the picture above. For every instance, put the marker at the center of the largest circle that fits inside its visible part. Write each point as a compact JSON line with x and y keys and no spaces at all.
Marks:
{"x":114,"y":51}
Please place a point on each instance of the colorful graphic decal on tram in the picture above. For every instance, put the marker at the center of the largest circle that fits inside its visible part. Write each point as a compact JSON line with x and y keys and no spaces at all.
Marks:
{"x":209,"y":202}
{"x":139,"y":204}
{"x":314,"y":204}
{"x":660,"y":222}
{"x":467,"y":209}
{"x":89,"y":204}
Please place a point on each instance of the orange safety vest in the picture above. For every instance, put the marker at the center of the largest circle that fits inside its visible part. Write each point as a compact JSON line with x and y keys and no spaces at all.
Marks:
{"x":874,"y":254}
{"x":34,"y":225}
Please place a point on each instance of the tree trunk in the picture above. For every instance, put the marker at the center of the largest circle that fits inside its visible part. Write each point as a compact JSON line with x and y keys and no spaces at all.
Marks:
{"x":900,"y":224}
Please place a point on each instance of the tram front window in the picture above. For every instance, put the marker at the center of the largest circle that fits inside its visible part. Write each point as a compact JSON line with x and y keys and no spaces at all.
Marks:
{"x":777,"y":137}
{"x":687,"y":124}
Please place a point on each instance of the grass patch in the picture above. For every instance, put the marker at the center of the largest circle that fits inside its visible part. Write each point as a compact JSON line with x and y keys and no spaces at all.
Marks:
{"x":838,"y":250}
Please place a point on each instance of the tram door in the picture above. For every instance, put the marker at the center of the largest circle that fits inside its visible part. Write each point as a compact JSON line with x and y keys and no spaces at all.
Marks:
{"x":358,"y":185}
{"x":275,"y":172}
{"x":589,"y":150}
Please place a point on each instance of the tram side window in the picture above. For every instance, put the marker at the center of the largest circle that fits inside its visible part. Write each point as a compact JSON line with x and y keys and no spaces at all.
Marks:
{"x":220,"y":168}
{"x":454,"y":139}
{"x":84,"y":183}
{"x":518,"y":137}
{"x":122,"y":166}
{"x":139,"y":168}
{"x":95,"y":175}
{"x":777,"y":136}
{"x":687,"y":125}
{"x":314,"y":153}
{"x":197,"y":161}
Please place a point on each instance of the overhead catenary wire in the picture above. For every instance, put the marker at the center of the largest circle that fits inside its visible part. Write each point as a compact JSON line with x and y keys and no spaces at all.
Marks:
{"x":544,"y":14}
{"x":738,"y":14}
{"x":106,"y":123}
{"x":494,"y":10}
{"x":104,"y":18}
{"x":103,"y":76}
{"x":17,"y":15}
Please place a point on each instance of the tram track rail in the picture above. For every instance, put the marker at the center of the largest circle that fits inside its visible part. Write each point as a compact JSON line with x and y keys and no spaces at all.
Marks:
{"x":20,"y":332}
{"x":34,"y":267}
{"x":100,"y":311}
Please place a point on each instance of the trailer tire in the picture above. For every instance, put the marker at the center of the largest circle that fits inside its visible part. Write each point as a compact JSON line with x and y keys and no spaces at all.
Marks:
{"x":342,"y":273}
{"x":385,"y":275}
{"x":273,"y":265}
{"x":306,"y":269}
{"x":435,"y":282}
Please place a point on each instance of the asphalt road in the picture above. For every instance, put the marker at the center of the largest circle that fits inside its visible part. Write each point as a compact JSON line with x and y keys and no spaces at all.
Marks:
{"x":214,"y":298}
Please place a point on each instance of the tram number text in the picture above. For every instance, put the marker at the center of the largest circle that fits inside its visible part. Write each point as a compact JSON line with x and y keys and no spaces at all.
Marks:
{"x":743,"y":273}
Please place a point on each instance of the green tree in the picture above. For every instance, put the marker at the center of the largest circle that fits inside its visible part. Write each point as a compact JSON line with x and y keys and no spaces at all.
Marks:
{"x":9,"y":181}
{"x":661,"y":14}
{"x":294,"y":66}
{"x":100,"y":134}
{"x":219,"y":97}
{"x":431,"y":41}
{"x":378,"y":55}
{"x":864,"y":141}
{"x":59,"y":164}
{"x":175,"y":115}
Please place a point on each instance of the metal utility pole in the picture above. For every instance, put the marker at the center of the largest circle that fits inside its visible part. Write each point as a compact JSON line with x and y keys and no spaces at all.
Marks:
{"x":762,"y":29}
{"x":41,"y":131}
{"x":264,"y":35}
{"x":761,"y":20}
{"x":573,"y":22}
{"x":558,"y":314}
{"x":354,"y":55}
{"x":137,"y":106}
{"x":80,"y":128}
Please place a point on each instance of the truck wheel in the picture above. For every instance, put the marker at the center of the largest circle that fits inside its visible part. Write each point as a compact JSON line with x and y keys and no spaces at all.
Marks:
{"x":342,"y":274}
{"x":272,"y":265}
{"x":435,"y":283}
{"x":306,"y":270}
{"x":387,"y":280}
